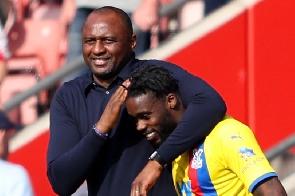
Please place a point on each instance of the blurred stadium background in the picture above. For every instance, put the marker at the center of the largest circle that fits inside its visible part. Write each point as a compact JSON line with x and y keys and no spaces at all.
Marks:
{"x":244,"y":49}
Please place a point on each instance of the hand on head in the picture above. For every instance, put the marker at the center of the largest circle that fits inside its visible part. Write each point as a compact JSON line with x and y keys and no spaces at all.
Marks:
{"x":110,"y":116}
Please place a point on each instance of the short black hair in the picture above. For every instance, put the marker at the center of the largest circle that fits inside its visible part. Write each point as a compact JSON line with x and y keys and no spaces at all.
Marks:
{"x":152,"y":78}
{"x":123,"y":15}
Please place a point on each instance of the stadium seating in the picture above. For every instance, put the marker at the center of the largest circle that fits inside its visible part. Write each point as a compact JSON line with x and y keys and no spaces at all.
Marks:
{"x":37,"y":49}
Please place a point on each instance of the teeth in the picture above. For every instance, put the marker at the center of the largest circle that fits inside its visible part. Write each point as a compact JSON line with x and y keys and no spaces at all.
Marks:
{"x":150,"y":134}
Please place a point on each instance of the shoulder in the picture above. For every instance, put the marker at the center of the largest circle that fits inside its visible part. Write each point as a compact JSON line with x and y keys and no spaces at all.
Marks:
{"x":158,"y":62}
{"x":228,"y":131}
{"x":72,"y":87}
{"x":17,"y":181}
{"x":230,"y":126}
{"x":15,"y":170}
{"x":174,"y":68}
{"x":15,"y":174}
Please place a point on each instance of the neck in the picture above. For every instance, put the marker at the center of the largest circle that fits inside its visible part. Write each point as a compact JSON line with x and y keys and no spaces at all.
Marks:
{"x":179,"y":114}
{"x":178,"y":110}
{"x":104,"y":83}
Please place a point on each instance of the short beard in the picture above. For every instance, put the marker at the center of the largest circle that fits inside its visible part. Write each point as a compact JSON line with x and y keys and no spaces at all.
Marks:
{"x":167,"y":126}
{"x":105,"y":75}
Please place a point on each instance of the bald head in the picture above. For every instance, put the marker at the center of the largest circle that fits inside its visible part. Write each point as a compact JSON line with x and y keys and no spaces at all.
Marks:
{"x":120,"y":14}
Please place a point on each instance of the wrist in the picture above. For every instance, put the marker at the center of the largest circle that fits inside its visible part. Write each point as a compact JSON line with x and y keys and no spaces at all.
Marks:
{"x":155,"y":166}
{"x":102,"y":128}
{"x":100,"y":133}
{"x":157,"y":158}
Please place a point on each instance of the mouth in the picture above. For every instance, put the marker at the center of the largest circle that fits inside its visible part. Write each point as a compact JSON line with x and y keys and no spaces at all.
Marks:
{"x":100,"y":61}
{"x":150,"y":135}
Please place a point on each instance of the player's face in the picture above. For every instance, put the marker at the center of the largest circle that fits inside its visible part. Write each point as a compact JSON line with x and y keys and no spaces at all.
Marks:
{"x":152,"y":116}
{"x":107,"y":47}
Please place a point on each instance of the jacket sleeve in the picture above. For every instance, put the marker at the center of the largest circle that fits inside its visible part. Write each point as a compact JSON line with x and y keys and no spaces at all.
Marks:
{"x":67,"y":162}
{"x":204,"y":109}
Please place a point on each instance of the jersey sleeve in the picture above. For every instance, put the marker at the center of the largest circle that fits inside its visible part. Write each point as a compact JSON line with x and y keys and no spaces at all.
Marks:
{"x":243,"y":154}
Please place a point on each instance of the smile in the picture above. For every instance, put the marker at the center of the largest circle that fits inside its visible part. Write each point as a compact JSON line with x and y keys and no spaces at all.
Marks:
{"x":100,"y":61}
{"x":149,"y":135}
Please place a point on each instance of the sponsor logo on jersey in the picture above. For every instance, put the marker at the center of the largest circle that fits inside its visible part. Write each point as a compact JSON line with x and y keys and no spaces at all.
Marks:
{"x":246,"y":153}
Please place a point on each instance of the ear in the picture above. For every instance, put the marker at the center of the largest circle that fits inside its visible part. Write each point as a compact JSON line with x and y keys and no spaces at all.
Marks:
{"x":133,"y":41}
{"x":171,"y":100}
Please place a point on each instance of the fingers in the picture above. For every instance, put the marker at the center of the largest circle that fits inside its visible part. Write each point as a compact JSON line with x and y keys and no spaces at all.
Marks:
{"x":146,"y":179}
{"x":110,"y":116}
{"x":137,"y":191}
{"x":125,"y":84}
{"x":121,"y":92}
{"x":140,"y":186}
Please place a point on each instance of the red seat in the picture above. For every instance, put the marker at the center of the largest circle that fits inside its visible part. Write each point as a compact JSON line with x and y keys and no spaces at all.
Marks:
{"x":13,"y":84}
{"x":35,"y":47}
{"x":38,"y":48}
{"x":37,"y":38}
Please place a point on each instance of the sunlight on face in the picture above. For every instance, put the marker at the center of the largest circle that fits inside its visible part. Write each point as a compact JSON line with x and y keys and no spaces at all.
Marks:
{"x":95,"y":29}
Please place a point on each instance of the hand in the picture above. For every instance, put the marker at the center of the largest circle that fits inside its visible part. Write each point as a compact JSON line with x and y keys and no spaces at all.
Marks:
{"x":146,"y":179}
{"x":146,"y":14}
{"x":110,"y":116}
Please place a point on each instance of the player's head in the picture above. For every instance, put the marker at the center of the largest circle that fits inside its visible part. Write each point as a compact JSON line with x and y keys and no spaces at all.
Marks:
{"x":154,"y":102}
{"x":108,"y":42}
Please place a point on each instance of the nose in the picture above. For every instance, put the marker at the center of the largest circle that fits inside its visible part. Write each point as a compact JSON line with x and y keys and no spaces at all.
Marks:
{"x":98,"y":47}
{"x":140,"y":125}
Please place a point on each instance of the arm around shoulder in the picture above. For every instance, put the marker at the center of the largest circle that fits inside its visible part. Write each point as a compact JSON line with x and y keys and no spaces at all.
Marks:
{"x":204,"y":109}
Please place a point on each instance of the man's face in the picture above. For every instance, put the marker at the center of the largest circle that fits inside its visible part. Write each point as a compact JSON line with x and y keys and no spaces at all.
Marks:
{"x":153,"y":118}
{"x":106,"y":45}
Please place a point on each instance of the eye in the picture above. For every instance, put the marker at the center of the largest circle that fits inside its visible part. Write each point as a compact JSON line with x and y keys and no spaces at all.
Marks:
{"x":89,"y":41}
{"x":145,"y":117}
{"x":109,"y":41}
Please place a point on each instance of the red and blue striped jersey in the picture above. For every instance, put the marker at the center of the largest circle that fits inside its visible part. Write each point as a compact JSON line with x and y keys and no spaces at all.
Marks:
{"x":228,"y":162}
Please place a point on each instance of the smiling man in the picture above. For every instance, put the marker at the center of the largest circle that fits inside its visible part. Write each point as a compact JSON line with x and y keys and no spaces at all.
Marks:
{"x":85,"y":146}
{"x":228,"y":162}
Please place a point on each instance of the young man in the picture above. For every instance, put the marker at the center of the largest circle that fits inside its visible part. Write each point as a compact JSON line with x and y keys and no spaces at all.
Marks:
{"x":84,"y":145}
{"x":228,"y":162}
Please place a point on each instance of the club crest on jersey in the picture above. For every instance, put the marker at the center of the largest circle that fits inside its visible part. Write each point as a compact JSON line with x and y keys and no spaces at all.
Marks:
{"x":246,"y":153}
{"x":197,"y":161}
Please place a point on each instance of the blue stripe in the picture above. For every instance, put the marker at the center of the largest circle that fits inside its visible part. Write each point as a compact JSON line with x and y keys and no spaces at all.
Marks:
{"x":185,"y":187}
{"x":204,"y":177}
{"x":272,"y":174}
